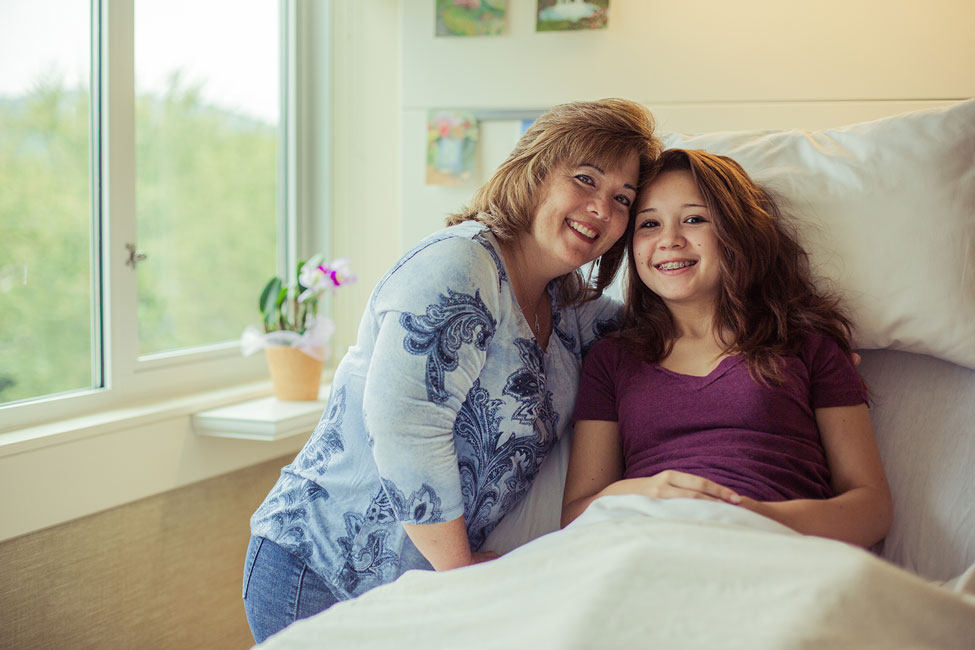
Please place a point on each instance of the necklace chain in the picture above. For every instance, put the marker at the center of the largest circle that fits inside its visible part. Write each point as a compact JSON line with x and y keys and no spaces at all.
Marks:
{"x":524,"y":285}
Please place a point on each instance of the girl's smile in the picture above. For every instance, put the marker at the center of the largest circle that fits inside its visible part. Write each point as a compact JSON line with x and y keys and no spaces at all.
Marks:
{"x":674,"y":267}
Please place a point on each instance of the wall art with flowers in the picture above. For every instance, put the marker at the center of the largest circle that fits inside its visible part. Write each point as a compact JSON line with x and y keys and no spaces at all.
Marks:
{"x":451,"y":147}
{"x":470,"y":17}
{"x":562,"y":15}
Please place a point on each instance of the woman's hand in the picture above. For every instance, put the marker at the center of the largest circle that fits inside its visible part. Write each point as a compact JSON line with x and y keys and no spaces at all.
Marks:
{"x":671,"y":484}
{"x":483,"y":556}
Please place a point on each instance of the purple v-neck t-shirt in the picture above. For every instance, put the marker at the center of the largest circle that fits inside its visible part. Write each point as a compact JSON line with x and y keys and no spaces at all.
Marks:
{"x":760,"y":441}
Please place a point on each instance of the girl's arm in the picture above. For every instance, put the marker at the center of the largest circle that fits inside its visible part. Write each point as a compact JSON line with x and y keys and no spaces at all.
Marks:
{"x":861,"y":511}
{"x":595,"y":463}
{"x":596,"y":470}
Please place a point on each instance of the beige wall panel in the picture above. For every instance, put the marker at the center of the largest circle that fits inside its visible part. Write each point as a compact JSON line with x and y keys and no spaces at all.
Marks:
{"x":769,"y":50}
{"x":164,"y":572}
{"x":700,"y":51}
{"x":66,"y":481}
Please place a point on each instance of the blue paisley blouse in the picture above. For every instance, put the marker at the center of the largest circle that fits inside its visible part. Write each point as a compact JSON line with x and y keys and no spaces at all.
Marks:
{"x":446,"y":406}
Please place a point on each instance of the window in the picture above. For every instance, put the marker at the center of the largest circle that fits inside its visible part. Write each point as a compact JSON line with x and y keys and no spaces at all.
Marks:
{"x":207,"y":134}
{"x":144,"y":167}
{"x":45,"y":260}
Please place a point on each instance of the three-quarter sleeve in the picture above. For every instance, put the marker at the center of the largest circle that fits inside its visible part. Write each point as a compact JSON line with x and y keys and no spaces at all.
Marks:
{"x":436,"y":315}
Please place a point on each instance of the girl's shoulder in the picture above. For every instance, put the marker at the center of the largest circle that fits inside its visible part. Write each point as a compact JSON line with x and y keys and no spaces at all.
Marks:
{"x":833,"y":377}
{"x":609,"y":349}
{"x":814,"y":344}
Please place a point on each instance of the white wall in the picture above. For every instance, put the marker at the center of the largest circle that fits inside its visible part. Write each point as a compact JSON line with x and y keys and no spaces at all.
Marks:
{"x":364,"y":170}
{"x":701,"y":65}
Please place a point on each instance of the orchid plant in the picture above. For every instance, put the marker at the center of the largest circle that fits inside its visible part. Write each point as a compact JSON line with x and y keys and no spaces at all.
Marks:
{"x":290,"y":311}
{"x":293,"y":307}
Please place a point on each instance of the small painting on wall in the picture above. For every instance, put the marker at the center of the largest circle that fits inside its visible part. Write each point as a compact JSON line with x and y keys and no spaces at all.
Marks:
{"x":470,"y":17}
{"x":451,"y":147}
{"x":562,"y":15}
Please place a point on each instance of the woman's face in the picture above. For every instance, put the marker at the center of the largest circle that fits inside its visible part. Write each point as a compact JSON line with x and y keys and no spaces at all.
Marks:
{"x":583,"y":212}
{"x":675,"y":246}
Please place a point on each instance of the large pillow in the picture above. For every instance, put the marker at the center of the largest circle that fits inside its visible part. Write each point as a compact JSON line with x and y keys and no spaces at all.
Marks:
{"x":886,"y":210}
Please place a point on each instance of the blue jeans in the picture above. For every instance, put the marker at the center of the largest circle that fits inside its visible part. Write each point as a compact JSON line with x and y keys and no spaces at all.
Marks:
{"x":279,"y":589}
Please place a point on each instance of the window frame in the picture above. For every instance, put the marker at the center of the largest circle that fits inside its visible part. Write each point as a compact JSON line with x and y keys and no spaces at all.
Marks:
{"x":125,"y":378}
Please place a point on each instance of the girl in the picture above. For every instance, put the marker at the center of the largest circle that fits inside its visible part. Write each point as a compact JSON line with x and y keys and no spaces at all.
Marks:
{"x":731,"y":378}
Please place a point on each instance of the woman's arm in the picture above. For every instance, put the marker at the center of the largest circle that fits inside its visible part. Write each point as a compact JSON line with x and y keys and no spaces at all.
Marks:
{"x":445,"y":545}
{"x":596,"y":470}
{"x":435,"y":319}
{"x":861,"y":511}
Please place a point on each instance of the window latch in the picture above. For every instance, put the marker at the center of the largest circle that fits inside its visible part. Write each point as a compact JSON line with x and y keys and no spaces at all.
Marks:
{"x":135,"y":256}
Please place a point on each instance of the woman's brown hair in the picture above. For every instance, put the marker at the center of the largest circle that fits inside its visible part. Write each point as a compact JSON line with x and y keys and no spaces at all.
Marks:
{"x":604,"y":132}
{"x":767,"y":299}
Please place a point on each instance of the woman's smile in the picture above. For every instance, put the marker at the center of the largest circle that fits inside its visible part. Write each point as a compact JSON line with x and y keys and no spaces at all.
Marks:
{"x":583,"y":213}
{"x":588,"y":234}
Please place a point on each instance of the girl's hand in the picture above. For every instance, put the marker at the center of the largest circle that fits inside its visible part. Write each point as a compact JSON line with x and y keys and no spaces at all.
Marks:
{"x":671,"y":484}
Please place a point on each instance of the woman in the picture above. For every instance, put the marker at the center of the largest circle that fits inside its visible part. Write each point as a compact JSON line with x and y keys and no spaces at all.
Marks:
{"x":456,"y":390}
{"x":731,"y":378}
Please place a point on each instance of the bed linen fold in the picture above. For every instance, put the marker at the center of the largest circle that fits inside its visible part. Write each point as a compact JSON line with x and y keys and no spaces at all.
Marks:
{"x":634,"y":572}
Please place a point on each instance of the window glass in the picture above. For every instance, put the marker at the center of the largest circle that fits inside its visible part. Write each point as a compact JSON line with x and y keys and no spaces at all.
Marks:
{"x":207,"y":182}
{"x":45,"y":203}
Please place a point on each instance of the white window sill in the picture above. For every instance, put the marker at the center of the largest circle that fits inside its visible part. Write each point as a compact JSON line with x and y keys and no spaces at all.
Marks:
{"x":266,"y":418}
{"x":104,"y":422}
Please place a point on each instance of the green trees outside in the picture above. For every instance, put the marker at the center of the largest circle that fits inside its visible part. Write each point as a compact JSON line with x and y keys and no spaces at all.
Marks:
{"x":206,"y":201}
{"x":206,"y":197}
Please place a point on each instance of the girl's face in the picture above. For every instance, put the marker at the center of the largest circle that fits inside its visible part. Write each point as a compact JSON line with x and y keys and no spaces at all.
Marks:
{"x":584,"y":212}
{"x":675,"y":245}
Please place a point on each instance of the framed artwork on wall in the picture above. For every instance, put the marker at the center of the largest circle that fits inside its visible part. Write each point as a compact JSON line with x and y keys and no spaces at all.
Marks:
{"x":451,"y":147}
{"x":571,"y":15}
{"x":470,"y":17}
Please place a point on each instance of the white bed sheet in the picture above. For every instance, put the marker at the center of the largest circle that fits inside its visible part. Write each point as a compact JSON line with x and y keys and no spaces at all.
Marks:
{"x":637,"y":572}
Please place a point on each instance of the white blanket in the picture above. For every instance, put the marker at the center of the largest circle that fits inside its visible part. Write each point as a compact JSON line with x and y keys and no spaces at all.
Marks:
{"x":634,"y":572}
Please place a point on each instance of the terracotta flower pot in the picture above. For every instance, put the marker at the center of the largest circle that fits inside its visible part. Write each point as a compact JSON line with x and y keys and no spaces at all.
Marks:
{"x":294,"y":375}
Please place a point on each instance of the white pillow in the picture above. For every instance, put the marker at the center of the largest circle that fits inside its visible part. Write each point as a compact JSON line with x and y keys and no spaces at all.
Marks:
{"x":886,"y":210}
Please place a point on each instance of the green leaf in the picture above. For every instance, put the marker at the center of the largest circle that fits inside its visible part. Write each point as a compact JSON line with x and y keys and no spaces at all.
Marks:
{"x":282,"y":313}
{"x":270,"y":290}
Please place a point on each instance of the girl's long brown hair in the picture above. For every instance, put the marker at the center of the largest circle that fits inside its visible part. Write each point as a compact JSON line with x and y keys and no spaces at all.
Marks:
{"x":767,"y":299}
